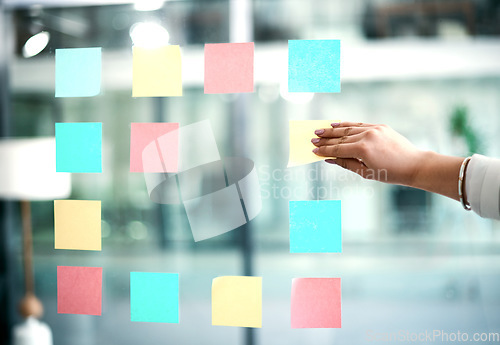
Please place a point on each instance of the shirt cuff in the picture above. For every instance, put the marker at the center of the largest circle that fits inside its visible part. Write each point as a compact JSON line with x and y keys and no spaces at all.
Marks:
{"x":482,"y":186}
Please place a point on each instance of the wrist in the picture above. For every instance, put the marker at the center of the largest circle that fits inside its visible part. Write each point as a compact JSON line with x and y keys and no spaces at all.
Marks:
{"x":418,"y":170}
{"x":437,"y":173}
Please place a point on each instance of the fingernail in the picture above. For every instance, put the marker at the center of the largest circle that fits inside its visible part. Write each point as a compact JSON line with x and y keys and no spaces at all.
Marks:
{"x":315,"y":140}
{"x":335,"y":124}
{"x":319,"y":131}
{"x":331,"y":161}
{"x":316,"y":150}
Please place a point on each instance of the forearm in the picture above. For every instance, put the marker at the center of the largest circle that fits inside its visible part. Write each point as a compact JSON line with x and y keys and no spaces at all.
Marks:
{"x":438,"y":174}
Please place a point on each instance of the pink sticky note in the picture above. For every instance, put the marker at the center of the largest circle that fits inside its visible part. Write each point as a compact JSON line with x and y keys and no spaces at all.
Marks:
{"x":229,"y":67}
{"x":79,"y":290}
{"x":154,"y":147}
{"x":316,"y":303}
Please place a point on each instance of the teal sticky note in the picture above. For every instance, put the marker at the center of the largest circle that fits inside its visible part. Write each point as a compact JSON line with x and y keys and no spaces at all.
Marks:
{"x":79,"y":147}
{"x":315,"y":226}
{"x":78,"y":72}
{"x":154,"y":297}
{"x":313,"y":66}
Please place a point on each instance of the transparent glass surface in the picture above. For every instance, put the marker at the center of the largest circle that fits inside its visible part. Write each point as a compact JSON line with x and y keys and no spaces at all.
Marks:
{"x":412,"y":262}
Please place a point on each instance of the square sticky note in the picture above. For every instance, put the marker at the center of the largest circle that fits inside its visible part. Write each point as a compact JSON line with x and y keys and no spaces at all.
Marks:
{"x":315,"y":226}
{"x":229,"y":67}
{"x":316,"y":303}
{"x":79,"y":147}
{"x":154,"y":297}
{"x":300,"y":134}
{"x":157,"y":72}
{"x":154,"y":147}
{"x":78,"y":72}
{"x":313,"y":66}
{"x":237,"y":301}
{"x":79,"y":290}
{"x":77,"y":224}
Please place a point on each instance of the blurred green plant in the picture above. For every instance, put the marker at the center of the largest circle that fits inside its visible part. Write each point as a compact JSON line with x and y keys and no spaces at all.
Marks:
{"x":461,"y":127}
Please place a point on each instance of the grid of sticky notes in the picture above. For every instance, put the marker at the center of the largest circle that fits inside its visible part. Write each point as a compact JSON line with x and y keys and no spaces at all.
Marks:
{"x":313,"y":66}
{"x":236,"y":300}
{"x":315,"y":226}
{"x":77,"y":226}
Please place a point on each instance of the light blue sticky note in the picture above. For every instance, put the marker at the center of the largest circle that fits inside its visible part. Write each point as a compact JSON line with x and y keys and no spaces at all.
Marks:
{"x":315,"y":226}
{"x":154,"y":297}
{"x":78,"y":72}
{"x":313,"y":66}
{"x":79,"y":147}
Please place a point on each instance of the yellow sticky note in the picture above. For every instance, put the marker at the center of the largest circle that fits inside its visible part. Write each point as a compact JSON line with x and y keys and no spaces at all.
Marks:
{"x":237,"y":301}
{"x":301,"y":133}
{"x":77,"y":224}
{"x":157,"y":72}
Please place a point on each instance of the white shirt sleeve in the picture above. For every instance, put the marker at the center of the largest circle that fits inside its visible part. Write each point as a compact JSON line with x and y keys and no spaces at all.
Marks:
{"x":482,"y":186}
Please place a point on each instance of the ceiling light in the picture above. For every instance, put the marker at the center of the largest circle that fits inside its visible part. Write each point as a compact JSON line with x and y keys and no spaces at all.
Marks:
{"x":35,"y":44}
{"x":149,"y":35}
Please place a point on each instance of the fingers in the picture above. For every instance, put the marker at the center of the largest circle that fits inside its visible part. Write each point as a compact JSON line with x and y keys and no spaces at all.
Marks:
{"x":353,"y":124}
{"x":337,"y":140}
{"x":340,"y":129}
{"x":338,"y":132}
{"x":343,"y":140}
{"x":345,"y":150}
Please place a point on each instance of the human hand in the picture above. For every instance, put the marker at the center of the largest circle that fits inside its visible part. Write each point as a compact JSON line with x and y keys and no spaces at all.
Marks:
{"x":375,"y":152}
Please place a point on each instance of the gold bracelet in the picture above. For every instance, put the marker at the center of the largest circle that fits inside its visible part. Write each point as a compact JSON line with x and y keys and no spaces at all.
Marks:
{"x":461,"y":177}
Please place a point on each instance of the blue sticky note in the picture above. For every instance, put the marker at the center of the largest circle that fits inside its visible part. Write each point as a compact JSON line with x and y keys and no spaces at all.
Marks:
{"x":313,"y":66}
{"x":315,"y":226}
{"x":154,"y":297}
{"x":79,"y":147}
{"x":78,"y":72}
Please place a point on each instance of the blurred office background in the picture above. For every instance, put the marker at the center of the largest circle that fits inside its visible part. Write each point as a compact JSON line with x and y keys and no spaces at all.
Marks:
{"x":411,"y":261}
